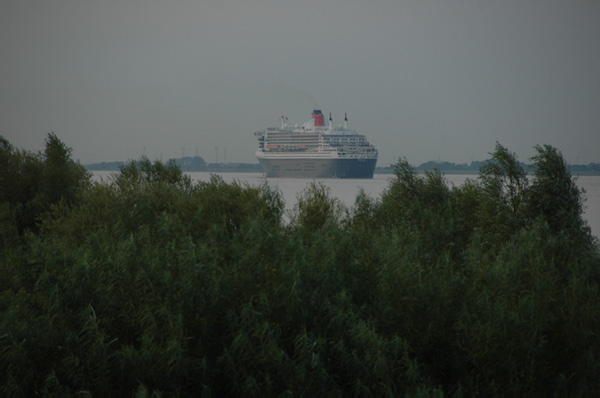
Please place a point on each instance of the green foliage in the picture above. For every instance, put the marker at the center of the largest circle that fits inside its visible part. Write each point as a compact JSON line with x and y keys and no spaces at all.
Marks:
{"x":62,"y":178}
{"x":554,"y":196}
{"x":147,"y":174}
{"x":424,"y":211}
{"x":30,"y":184}
{"x":504,"y":178}
{"x":504,"y":182}
{"x":150,"y":285}
{"x":316,"y":209}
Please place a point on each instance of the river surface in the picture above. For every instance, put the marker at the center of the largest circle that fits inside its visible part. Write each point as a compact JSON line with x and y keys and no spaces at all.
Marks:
{"x":347,"y":189}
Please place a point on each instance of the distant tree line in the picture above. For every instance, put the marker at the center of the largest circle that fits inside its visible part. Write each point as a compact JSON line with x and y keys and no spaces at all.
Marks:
{"x":475,"y":166}
{"x":188,"y":163}
{"x":149,"y":284}
{"x":197,"y":163}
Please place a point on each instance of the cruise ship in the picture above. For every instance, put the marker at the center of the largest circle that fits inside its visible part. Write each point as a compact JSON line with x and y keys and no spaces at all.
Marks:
{"x":314,"y":150}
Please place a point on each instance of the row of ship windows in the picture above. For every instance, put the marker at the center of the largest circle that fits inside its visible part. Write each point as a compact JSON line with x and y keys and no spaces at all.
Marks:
{"x":313,"y":142}
{"x":312,"y":138}
{"x":332,"y":147}
{"x":316,"y":139}
{"x":345,"y":140}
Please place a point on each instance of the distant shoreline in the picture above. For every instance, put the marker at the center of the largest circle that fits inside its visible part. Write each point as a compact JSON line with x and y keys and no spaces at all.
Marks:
{"x":380,"y":172}
{"x":197,"y":164}
{"x":476,"y":172}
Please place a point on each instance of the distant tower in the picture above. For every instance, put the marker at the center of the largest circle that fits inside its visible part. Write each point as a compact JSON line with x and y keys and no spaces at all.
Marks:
{"x":225,"y":155}
{"x":216,"y":154}
{"x":182,"y":152}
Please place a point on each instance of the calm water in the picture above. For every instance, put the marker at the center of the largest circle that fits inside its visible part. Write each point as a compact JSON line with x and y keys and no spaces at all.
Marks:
{"x":346,"y":189}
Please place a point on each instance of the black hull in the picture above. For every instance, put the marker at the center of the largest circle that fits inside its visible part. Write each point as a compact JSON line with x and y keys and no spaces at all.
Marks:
{"x":319,"y":168}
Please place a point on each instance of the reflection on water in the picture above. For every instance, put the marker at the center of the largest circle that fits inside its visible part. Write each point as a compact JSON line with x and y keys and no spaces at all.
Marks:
{"x":347,"y":189}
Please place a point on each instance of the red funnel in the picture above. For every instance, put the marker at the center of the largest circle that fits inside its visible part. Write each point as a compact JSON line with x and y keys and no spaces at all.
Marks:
{"x":319,"y":118}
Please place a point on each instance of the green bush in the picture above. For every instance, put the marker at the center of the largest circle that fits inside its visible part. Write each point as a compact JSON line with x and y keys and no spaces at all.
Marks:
{"x":148,"y":284}
{"x":30,"y":184}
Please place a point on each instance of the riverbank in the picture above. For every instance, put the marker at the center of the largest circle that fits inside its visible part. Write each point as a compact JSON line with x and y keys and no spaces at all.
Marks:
{"x":198,"y":165}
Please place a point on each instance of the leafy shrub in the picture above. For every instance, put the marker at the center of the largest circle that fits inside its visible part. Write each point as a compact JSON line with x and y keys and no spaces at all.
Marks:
{"x":149,"y":284}
{"x":30,"y":184}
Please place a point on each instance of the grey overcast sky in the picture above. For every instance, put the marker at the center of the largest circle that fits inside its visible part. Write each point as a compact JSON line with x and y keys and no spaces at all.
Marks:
{"x":423,"y":79}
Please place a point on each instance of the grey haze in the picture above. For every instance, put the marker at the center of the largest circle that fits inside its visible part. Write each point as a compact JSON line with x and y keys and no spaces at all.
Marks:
{"x":425,"y":79}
